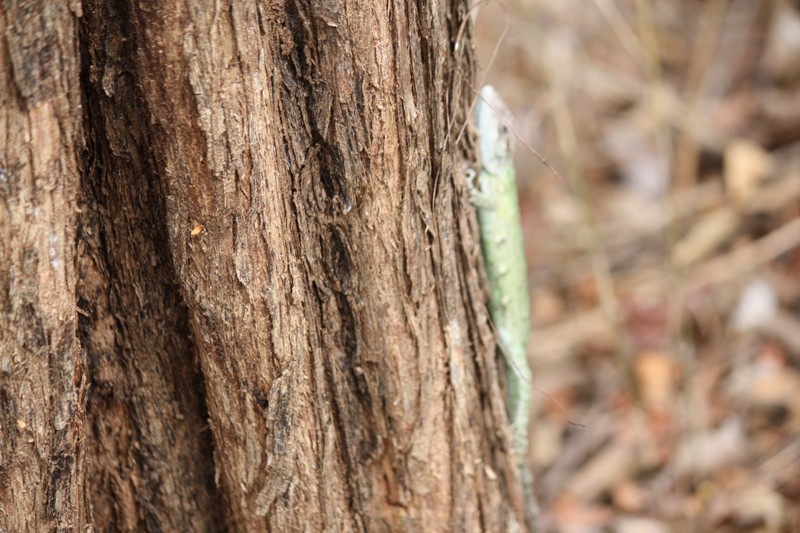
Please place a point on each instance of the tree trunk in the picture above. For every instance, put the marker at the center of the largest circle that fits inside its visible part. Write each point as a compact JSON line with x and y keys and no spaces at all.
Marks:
{"x":242,"y":286}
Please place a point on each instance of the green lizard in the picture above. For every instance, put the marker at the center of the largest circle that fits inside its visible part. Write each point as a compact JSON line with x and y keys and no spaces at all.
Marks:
{"x":495,"y":198}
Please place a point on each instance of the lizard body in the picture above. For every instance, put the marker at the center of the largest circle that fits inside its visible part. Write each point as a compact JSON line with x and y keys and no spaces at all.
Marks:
{"x":504,"y":256}
{"x":495,"y":198}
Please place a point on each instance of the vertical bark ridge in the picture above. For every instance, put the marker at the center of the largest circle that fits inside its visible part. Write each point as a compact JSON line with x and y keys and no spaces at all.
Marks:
{"x":42,"y":377}
{"x":151,"y":465}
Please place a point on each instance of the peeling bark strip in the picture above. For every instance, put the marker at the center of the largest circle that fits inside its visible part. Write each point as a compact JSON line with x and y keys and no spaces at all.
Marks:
{"x":271,"y":189}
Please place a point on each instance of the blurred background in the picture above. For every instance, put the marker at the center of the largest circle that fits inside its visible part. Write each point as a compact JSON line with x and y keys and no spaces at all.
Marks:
{"x":664,"y":262}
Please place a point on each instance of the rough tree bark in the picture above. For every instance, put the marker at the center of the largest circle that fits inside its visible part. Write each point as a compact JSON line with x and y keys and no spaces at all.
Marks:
{"x":241,"y":285}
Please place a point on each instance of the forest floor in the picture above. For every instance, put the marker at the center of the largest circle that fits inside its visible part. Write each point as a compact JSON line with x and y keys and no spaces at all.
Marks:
{"x":664,"y":261}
